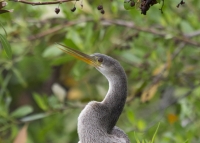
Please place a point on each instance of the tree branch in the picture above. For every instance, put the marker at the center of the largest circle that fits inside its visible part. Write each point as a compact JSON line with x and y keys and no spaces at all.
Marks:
{"x":43,"y":3}
{"x":56,"y":29}
{"x":130,"y":24}
{"x":193,"y":34}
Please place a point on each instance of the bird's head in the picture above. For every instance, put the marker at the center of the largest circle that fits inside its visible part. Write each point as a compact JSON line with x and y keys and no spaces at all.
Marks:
{"x":103,"y":63}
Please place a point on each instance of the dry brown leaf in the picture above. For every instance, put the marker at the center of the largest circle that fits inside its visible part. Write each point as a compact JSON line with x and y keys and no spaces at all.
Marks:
{"x":69,"y":81}
{"x":189,"y":68}
{"x":74,"y":94}
{"x":152,"y":89}
{"x":158,"y":70}
{"x":166,"y":66}
{"x":149,"y":93}
{"x":172,"y":118}
{"x":22,"y":135}
{"x":169,"y":60}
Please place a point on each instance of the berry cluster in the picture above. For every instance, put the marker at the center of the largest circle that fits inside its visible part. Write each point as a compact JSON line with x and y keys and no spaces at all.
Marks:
{"x":100,"y":7}
{"x":146,"y":4}
{"x":57,"y":10}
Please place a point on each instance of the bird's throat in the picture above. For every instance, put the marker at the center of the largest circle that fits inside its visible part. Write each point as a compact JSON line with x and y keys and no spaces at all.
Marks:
{"x":115,"y":98}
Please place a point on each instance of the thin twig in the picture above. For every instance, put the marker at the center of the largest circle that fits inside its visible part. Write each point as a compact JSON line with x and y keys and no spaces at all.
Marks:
{"x":159,"y":77}
{"x":161,"y":9}
{"x":44,"y":3}
{"x":183,"y":96}
{"x":58,"y":28}
{"x":193,"y":34}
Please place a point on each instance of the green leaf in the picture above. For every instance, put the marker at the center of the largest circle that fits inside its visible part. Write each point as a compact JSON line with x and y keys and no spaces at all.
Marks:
{"x":130,"y":57}
{"x":35,"y":117}
{"x":3,"y":112}
{"x":153,"y":138}
{"x":4,"y":85}
{"x":158,"y":1}
{"x":131,"y":116}
{"x":61,"y":60}
{"x":22,"y":111}
{"x":127,"y":5}
{"x":20,"y":77}
{"x":7,"y":101}
{"x":14,"y":131}
{"x":136,"y":138}
{"x":5,"y":44}
{"x":186,"y":27}
{"x":52,"y":51}
{"x":40,"y":101}
{"x":141,"y":124}
{"x":74,"y":36}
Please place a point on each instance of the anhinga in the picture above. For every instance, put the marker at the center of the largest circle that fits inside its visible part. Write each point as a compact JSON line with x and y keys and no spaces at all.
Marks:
{"x":96,"y":122}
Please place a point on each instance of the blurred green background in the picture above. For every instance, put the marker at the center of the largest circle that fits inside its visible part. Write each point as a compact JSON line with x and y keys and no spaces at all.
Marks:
{"x":43,"y":90}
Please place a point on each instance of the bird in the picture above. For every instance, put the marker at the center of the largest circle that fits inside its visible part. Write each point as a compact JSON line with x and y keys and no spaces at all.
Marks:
{"x":97,"y":121}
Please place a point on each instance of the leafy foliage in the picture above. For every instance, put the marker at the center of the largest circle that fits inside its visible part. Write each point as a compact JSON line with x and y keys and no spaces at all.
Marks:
{"x":159,"y":52}
{"x":6,"y":46}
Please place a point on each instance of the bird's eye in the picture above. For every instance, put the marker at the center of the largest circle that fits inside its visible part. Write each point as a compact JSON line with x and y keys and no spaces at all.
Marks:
{"x":100,"y":60}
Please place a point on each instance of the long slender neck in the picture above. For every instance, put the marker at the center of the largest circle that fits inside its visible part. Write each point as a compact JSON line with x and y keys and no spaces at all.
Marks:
{"x":116,"y":97}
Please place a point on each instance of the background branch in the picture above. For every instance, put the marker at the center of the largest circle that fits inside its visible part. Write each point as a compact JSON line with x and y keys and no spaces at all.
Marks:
{"x":56,"y":29}
{"x":44,"y":3}
{"x":182,"y":38}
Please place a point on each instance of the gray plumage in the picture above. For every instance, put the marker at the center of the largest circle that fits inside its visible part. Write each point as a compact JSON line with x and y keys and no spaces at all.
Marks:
{"x":96,"y":122}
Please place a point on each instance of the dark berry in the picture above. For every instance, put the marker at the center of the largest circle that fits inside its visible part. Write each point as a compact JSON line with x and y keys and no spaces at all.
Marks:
{"x":57,"y":10}
{"x":132,"y":4}
{"x":73,"y":9}
{"x":100,"y":7}
{"x":102,"y":11}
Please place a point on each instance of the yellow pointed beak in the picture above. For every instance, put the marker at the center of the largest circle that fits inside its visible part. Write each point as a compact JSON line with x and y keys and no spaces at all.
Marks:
{"x":79,"y":55}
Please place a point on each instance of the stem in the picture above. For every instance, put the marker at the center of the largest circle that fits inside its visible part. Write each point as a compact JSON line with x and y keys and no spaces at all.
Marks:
{"x":43,"y":3}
